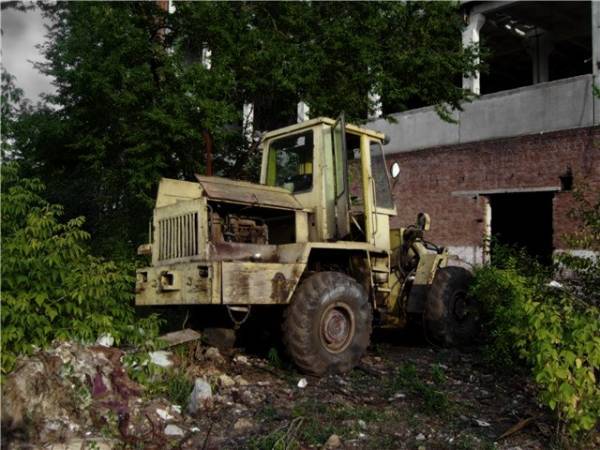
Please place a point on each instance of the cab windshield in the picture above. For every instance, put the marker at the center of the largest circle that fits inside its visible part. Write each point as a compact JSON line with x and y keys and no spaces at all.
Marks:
{"x":290,"y":162}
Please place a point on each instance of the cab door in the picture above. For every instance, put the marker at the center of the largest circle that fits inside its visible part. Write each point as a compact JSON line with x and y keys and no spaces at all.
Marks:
{"x":342,"y":191}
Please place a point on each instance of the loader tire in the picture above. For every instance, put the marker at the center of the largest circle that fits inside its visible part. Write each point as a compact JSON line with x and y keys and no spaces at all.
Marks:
{"x":452,"y":318}
{"x":327,"y":326}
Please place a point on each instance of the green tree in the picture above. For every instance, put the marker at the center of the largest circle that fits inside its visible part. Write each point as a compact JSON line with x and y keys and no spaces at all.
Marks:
{"x":133,"y":97}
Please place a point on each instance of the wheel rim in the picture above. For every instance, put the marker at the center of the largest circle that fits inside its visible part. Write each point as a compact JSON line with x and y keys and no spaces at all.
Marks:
{"x":337,"y":327}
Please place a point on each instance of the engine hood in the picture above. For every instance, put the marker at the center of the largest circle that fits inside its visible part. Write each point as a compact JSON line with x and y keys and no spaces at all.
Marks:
{"x":226,"y":190}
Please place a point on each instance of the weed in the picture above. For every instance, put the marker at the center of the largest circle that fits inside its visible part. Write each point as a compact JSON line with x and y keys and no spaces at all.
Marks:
{"x":267,"y":413}
{"x":178,"y":388}
{"x":274,"y":358}
{"x":437,"y":374}
{"x":406,"y":378}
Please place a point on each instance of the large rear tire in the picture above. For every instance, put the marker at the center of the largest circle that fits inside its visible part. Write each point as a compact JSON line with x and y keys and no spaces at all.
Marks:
{"x":452,"y":318}
{"x":327,"y":326}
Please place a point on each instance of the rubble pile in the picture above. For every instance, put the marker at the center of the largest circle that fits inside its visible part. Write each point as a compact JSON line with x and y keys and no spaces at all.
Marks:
{"x":76,"y":397}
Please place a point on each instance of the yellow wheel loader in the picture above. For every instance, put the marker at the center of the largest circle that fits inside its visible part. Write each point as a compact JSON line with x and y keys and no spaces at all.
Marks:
{"x":313,"y":237}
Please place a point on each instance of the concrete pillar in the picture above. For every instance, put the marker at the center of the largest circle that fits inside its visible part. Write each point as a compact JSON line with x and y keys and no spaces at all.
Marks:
{"x":248,"y":121}
{"x":303,"y":112}
{"x":595,"y":37}
{"x":206,"y":57}
{"x":487,"y":230}
{"x":539,"y":46}
{"x":470,"y":36}
{"x":596,"y":58}
{"x":375,"y":100}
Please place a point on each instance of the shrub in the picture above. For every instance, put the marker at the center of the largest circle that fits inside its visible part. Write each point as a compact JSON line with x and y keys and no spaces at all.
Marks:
{"x":52,"y":288}
{"x":554,"y":331}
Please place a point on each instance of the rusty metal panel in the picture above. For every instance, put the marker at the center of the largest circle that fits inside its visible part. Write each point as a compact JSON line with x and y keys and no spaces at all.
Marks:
{"x":172,"y":191}
{"x":217,"y":188}
{"x":247,"y":283}
{"x":194,"y":283}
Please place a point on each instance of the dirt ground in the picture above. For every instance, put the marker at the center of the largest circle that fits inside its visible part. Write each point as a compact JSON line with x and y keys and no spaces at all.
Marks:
{"x":402,"y":396}
{"x":406,"y":394}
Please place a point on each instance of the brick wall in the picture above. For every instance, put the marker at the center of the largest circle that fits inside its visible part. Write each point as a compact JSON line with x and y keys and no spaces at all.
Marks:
{"x":430,"y":180}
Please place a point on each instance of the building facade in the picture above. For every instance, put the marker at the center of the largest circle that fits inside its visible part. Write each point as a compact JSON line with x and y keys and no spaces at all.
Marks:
{"x":507,"y":166}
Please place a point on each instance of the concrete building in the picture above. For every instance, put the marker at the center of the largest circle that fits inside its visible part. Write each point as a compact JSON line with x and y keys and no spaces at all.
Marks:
{"x":507,"y":166}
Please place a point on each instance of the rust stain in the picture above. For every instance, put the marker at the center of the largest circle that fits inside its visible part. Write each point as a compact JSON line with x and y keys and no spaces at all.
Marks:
{"x":280,"y":288}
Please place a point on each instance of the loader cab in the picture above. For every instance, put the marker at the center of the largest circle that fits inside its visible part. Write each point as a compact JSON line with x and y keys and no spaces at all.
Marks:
{"x":338,"y":173}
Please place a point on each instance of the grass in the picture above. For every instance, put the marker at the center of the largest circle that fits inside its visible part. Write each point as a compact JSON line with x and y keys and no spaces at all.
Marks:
{"x":407,"y":379}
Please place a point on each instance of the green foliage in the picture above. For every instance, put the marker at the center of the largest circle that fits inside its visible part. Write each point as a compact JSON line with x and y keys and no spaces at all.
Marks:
{"x":552,"y":330}
{"x":133,"y":98}
{"x":52,"y":288}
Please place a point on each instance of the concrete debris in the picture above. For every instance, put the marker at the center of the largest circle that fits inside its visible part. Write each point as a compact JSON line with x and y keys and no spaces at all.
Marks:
{"x":173,"y":430}
{"x":226,"y":381}
{"x":222,"y":338}
{"x":161,"y":358}
{"x":240,"y":380}
{"x":242,"y":425}
{"x":105,"y":340}
{"x":302,"y":383}
{"x":180,"y":337}
{"x":201,"y":397}
{"x":241,"y":359}
{"x":55,"y":394}
{"x":213,"y":354}
{"x":333,"y":441}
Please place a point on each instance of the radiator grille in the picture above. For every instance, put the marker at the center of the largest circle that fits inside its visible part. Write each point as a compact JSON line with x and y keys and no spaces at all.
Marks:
{"x":178,"y":236}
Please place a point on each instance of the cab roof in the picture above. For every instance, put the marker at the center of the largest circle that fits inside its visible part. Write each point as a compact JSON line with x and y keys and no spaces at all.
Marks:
{"x":325,"y":121}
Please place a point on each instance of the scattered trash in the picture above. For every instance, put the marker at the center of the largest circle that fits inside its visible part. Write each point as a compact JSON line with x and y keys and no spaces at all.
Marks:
{"x":164,"y":414}
{"x":201,"y":396}
{"x":302,"y":383}
{"x":555,"y":284}
{"x":105,"y":340}
{"x":173,"y":430}
{"x":517,"y":427}
{"x":481,"y":423}
{"x":420,"y":437}
{"x":362,"y":424}
{"x":161,"y":358}
{"x":180,"y":337}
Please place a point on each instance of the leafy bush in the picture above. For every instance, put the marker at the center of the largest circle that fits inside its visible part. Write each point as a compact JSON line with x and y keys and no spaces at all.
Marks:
{"x":554,"y":329}
{"x":52,"y":288}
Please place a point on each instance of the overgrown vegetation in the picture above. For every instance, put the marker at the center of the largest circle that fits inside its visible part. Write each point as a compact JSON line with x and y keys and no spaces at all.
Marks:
{"x":134,"y":100}
{"x":551,"y":326}
{"x":52,"y":288}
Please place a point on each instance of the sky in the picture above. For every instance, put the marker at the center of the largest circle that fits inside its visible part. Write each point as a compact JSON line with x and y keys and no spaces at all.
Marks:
{"x":21,"y":32}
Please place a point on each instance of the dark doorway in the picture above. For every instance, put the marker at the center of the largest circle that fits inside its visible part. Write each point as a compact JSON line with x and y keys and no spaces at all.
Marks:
{"x":524,"y":220}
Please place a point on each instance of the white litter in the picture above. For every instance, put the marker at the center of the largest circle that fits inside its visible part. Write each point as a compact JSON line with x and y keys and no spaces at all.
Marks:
{"x":173,"y":430}
{"x":302,"y":383}
{"x":105,"y":340}
{"x":481,"y":423}
{"x":161,"y":358}
{"x":163,"y":414}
